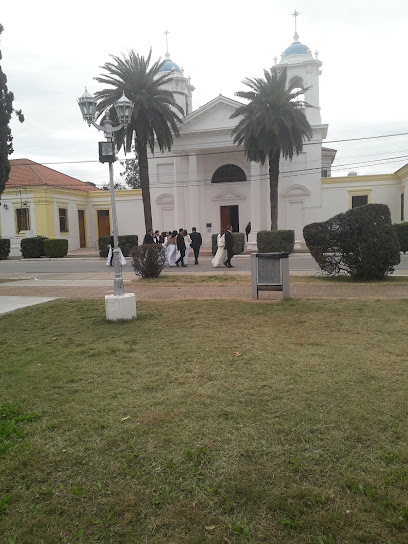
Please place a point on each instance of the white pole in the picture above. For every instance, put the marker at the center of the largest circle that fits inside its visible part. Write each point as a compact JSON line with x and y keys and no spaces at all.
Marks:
{"x":118,"y":280}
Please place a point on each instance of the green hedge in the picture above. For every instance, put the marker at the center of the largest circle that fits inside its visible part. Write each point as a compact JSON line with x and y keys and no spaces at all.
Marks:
{"x":33,"y":248}
{"x":361,"y":243}
{"x":4,"y":248}
{"x":239,"y":242}
{"x":55,"y":247}
{"x":402,"y":233}
{"x":126,"y":243}
{"x":148,"y":260}
{"x":276,"y":241}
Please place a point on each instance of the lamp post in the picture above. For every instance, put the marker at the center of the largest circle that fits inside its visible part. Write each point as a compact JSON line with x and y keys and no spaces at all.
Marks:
{"x":124,"y":108}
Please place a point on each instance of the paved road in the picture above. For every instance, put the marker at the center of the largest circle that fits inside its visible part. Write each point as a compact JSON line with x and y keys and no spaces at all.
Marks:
{"x":94,"y":268}
{"x":96,"y":265}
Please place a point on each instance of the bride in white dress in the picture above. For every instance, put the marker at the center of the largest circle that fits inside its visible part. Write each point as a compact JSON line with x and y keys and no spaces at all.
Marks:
{"x":221,"y":255}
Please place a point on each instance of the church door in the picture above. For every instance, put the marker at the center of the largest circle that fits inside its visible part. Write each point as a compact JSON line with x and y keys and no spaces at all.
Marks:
{"x":230,"y":216}
{"x":81,"y":223}
{"x":103,"y":223}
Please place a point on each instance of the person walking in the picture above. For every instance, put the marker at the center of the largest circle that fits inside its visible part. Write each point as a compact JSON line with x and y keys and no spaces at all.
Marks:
{"x":187,"y":241}
{"x":248,"y":230}
{"x":196,"y":242}
{"x":229,"y":246}
{"x":171,"y":248}
{"x":181,"y":246}
{"x":221,"y":254}
{"x":148,"y":239}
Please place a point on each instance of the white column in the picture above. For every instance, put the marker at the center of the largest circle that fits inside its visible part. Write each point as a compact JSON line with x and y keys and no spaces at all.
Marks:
{"x":256,"y":202}
{"x":178,"y":194}
{"x":194,"y":201}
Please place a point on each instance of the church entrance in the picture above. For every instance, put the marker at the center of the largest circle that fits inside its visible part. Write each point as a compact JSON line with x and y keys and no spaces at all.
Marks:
{"x":230,"y":216}
{"x":103,"y":223}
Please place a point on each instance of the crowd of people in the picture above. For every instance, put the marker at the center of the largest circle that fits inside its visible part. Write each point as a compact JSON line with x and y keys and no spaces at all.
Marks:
{"x":177,"y":244}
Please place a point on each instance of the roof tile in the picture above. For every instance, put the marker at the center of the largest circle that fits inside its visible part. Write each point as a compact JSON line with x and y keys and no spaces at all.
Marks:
{"x":26,"y":173}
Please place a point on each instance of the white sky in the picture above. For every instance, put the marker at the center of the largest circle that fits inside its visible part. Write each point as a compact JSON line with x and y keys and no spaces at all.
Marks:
{"x":52,"y":50}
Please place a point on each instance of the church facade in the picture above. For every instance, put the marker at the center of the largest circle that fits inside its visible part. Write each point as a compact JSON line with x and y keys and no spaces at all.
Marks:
{"x":207,"y":182}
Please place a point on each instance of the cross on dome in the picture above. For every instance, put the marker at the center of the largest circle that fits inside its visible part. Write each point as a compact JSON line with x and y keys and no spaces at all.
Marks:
{"x":166,"y":33}
{"x":296,"y":14}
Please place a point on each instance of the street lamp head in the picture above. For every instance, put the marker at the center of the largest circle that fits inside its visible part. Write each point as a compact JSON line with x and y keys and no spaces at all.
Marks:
{"x":124,"y":109}
{"x":87,"y":105}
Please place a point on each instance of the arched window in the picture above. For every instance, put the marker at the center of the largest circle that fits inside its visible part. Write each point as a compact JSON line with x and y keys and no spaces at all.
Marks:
{"x":227,"y":173}
{"x":298,"y":86}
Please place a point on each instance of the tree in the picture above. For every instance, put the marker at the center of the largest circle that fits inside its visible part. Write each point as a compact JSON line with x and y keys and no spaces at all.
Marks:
{"x":273,"y":124}
{"x":131,"y":172}
{"x":6,"y":139}
{"x":154,"y":119}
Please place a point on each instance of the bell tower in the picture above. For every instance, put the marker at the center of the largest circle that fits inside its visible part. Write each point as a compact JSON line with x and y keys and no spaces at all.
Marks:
{"x":303,"y":67}
{"x":179,"y":84}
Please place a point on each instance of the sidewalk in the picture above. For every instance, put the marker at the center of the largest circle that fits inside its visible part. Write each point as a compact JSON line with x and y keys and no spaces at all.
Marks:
{"x":233,"y":289}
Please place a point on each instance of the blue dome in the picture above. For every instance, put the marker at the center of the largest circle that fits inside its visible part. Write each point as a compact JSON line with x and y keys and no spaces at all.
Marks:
{"x":296,"y":48}
{"x":169,"y":65}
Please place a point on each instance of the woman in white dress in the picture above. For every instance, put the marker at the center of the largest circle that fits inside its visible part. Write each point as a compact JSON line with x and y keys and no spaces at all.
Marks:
{"x":171,"y":248}
{"x":221,"y":255}
{"x":187,"y":241}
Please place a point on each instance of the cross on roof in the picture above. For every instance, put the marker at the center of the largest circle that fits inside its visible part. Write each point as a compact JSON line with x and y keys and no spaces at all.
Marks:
{"x":295,"y":14}
{"x":166,"y":33}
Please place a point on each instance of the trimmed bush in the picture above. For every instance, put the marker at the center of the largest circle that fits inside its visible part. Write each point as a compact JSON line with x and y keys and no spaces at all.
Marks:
{"x":126,"y":243}
{"x":402,"y":233}
{"x":55,"y":247}
{"x":4,"y":248}
{"x":361,"y":243}
{"x":148,"y":260}
{"x":239,"y":243}
{"x":33,"y":248}
{"x":276,"y":241}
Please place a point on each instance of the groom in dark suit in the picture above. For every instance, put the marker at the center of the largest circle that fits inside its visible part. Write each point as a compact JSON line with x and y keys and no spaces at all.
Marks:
{"x":181,"y":246}
{"x":229,"y":246}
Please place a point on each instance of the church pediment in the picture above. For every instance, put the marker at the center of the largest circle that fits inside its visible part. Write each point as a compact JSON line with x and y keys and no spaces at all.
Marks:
{"x":165,"y":199}
{"x":297,"y":190}
{"x":213,"y":116}
{"x":229,"y":194}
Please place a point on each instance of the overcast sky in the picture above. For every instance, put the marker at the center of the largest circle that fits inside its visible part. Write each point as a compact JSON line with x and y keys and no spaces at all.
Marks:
{"x":52,"y":50}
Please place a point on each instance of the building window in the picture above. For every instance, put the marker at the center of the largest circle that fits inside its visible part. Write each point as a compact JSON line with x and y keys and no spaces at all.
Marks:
{"x":402,"y":206}
{"x":23,"y":219}
{"x":228,"y":173}
{"x":325,"y":173}
{"x":63,"y":219}
{"x":359,"y":200}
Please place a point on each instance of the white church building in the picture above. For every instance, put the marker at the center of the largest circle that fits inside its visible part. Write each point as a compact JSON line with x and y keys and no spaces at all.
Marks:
{"x":205,"y":180}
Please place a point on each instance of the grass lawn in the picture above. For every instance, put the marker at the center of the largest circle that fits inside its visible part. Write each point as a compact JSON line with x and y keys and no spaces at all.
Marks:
{"x":205,"y":422}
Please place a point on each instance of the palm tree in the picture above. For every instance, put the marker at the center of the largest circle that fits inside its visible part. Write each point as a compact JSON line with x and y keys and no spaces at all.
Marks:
{"x":154,"y":118}
{"x":273,"y":124}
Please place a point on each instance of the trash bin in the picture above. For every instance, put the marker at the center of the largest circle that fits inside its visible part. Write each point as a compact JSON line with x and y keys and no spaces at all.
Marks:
{"x":270,"y":272}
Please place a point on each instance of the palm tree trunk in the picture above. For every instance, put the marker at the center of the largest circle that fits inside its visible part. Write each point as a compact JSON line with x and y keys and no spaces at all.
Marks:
{"x":273,"y":185}
{"x":144,"y":183}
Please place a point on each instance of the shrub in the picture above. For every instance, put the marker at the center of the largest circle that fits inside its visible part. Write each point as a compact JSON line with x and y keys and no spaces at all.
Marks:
{"x":239,"y":243}
{"x":55,"y":247}
{"x":148,"y":260}
{"x":4,"y":248}
{"x":402,"y":233}
{"x":33,"y":248}
{"x":126,"y":243}
{"x":361,"y":242}
{"x":276,"y":241}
